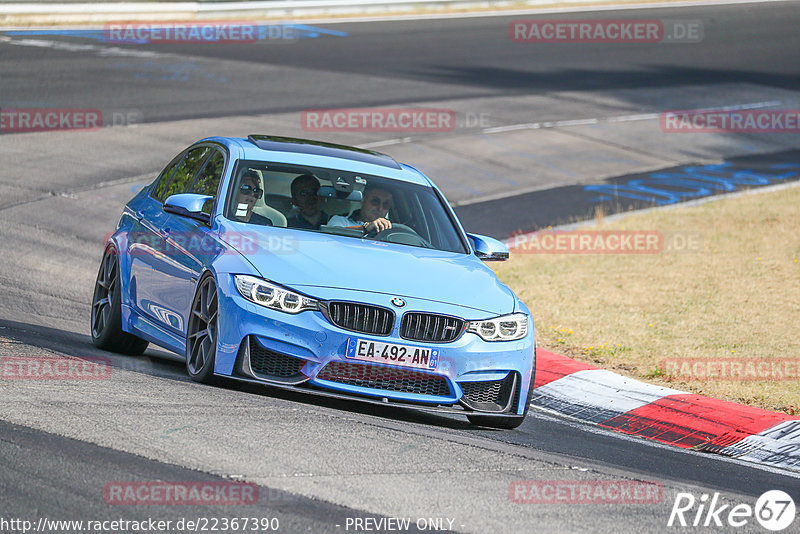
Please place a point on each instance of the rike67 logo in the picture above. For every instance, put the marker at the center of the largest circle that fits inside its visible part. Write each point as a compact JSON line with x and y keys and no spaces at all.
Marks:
{"x":774,"y":510}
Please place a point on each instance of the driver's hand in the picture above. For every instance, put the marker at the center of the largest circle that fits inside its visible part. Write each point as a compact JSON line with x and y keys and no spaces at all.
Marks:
{"x":378,"y":225}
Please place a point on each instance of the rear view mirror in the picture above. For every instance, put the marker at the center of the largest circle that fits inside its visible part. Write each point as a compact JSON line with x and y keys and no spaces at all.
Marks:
{"x":488,"y":248}
{"x":327,"y":191}
{"x":189,"y":205}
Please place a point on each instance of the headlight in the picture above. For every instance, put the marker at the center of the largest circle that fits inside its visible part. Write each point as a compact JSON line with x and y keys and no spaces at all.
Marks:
{"x":505,"y":328}
{"x":272,"y":296}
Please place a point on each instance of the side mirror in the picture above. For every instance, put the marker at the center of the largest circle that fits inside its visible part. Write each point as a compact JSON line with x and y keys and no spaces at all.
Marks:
{"x":189,"y":205}
{"x":327,"y":191}
{"x":488,"y":248}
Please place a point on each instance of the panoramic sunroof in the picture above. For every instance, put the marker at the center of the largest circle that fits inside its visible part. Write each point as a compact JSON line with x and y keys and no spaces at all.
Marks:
{"x":320,"y":148}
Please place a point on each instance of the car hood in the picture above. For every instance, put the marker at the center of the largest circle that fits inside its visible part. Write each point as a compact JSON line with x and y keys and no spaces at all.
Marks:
{"x":305,"y":260}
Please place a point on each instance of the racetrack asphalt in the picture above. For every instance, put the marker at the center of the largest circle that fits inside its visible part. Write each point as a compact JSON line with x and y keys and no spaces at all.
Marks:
{"x":64,"y":190}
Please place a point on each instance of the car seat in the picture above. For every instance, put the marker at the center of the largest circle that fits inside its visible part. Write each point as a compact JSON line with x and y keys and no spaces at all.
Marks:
{"x":261,"y":208}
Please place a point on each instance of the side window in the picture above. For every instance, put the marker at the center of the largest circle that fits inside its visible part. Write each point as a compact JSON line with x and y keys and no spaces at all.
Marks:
{"x":163,"y":178}
{"x":208,"y":181}
{"x":186,"y":171}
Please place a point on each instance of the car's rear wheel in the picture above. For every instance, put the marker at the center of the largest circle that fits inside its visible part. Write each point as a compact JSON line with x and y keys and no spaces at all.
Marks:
{"x":201,"y":334}
{"x":106,"y":321}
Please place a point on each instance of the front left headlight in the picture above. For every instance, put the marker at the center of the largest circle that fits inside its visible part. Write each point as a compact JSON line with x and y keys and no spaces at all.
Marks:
{"x":264,"y":293}
{"x":503,"y":328}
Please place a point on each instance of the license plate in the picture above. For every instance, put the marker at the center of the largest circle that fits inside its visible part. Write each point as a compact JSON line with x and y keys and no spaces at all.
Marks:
{"x":391,"y":353}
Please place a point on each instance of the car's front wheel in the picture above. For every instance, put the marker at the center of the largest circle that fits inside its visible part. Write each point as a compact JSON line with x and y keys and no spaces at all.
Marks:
{"x":493,"y":421}
{"x":201,"y":334}
{"x":106,"y":322}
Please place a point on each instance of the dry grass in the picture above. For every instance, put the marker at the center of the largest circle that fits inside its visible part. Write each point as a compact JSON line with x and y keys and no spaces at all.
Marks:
{"x":736,"y":296}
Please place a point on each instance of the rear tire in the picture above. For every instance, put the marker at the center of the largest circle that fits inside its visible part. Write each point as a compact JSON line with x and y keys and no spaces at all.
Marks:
{"x":201,"y":333}
{"x":106,"y":320}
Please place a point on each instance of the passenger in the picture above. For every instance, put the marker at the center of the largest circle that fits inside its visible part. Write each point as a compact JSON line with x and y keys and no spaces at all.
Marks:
{"x":249,"y":192}
{"x":375,"y":206}
{"x":305,"y":189}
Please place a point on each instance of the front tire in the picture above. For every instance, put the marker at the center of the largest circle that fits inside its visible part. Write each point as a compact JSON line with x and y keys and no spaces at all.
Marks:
{"x":490,"y":421}
{"x":201,"y":333}
{"x":106,"y":320}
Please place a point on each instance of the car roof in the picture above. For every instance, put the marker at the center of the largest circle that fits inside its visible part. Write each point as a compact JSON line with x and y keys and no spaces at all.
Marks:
{"x":321,"y":154}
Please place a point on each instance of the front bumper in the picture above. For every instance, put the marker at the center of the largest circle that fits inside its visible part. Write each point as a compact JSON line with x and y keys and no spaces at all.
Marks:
{"x":307,"y":351}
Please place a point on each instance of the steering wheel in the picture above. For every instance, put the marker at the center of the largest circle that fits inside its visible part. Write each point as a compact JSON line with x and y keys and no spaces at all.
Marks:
{"x":399,"y":233}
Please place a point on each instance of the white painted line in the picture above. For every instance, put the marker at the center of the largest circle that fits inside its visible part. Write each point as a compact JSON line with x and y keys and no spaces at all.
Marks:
{"x":77,"y":47}
{"x":622,"y":118}
{"x":575,"y":122}
{"x":737,"y":107}
{"x":640,"y":117}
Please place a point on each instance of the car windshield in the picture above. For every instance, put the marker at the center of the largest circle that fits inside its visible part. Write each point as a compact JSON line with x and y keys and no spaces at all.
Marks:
{"x":340,"y":202}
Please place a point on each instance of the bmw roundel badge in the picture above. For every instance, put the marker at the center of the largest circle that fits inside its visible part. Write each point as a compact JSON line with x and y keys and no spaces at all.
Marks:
{"x":398,"y":302}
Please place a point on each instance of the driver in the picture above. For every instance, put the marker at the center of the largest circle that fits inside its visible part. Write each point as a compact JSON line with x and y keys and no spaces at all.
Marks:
{"x":375,"y":206}
{"x":249,"y":192}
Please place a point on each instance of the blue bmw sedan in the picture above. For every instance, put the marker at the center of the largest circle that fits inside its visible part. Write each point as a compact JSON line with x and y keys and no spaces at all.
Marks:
{"x":321,"y":268}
